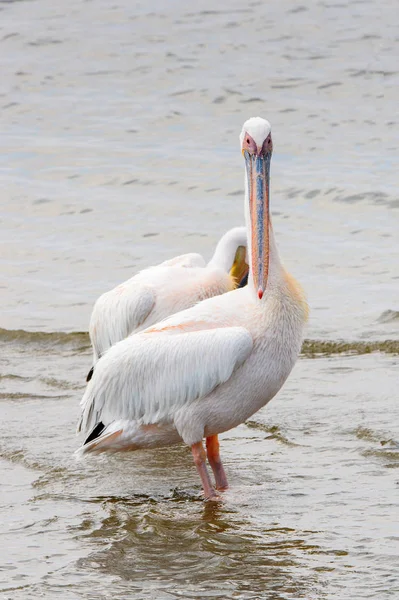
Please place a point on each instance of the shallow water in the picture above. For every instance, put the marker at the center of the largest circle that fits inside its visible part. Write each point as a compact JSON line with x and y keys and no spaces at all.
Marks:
{"x":119,"y":149}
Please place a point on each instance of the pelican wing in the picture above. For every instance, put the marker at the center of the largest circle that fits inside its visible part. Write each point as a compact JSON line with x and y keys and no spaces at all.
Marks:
{"x":119,"y":312}
{"x":190,"y":260}
{"x":149,"y":376}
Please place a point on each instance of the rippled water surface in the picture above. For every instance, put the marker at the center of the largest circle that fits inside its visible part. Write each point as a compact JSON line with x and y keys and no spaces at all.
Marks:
{"x":118,"y":149}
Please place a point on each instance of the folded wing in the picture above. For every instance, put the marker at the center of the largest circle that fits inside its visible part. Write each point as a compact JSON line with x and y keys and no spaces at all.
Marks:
{"x":119,"y":312}
{"x":149,"y":376}
{"x":190,"y":261}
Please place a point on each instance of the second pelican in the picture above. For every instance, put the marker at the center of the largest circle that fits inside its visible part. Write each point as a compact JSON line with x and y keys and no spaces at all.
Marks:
{"x":165,"y":289}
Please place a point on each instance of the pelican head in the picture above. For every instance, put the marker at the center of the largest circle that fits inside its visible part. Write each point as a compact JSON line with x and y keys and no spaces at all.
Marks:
{"x":230,"y":255}
{"x":257,"y":147}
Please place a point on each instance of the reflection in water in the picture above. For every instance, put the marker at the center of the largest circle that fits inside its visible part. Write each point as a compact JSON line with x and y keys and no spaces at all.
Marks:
{"x":183,"y":547}
{"x":310,"y":507}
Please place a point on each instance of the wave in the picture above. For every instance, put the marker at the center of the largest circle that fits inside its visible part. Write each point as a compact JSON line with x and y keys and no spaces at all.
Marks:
{"x":314,"y":348}
{"x":388,"y":316}
{"x":335,"y":194}
{"x":80,"y":342}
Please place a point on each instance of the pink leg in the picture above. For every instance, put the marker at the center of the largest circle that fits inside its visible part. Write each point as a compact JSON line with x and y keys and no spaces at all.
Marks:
{"x":212,"y":448}
{"x":199,"y":460}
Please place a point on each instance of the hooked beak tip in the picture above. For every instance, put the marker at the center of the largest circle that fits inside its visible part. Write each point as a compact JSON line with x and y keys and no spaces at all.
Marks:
{"x":260,"y":294}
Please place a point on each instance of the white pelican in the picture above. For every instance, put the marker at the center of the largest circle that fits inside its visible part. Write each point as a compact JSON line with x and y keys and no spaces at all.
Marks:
{"x":209,"y":368}
{"x":161,"y":291}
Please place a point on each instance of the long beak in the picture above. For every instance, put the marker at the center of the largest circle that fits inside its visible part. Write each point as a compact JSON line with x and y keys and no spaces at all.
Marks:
{"x":239,"y":269}
{"x":258,"y":173}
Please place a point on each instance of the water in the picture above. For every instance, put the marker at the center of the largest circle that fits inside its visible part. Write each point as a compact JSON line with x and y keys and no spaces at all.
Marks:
{"x":119,"y":148}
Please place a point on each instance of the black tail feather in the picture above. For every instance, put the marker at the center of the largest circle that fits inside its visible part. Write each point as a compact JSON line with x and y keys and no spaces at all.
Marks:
{"x":98,"y":429}
{"x":90,"y":374}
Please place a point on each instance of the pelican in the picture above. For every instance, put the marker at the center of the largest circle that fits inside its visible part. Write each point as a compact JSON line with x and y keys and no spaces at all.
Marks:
{"x":162,"y":290}
{"x":206,"y":369}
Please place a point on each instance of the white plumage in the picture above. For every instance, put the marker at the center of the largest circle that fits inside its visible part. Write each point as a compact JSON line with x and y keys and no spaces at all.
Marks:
{"x":206,"y":369}
{"x":162,"y":373}
{"x":162,"y":290}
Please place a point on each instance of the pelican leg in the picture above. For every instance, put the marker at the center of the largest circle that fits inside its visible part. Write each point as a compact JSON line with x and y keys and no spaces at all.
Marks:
{"x":212,"y":449}
{"x":199,"y":460}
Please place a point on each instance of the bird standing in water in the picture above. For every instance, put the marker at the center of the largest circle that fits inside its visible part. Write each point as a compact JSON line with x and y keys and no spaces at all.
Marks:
{"x":206,"y":369}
